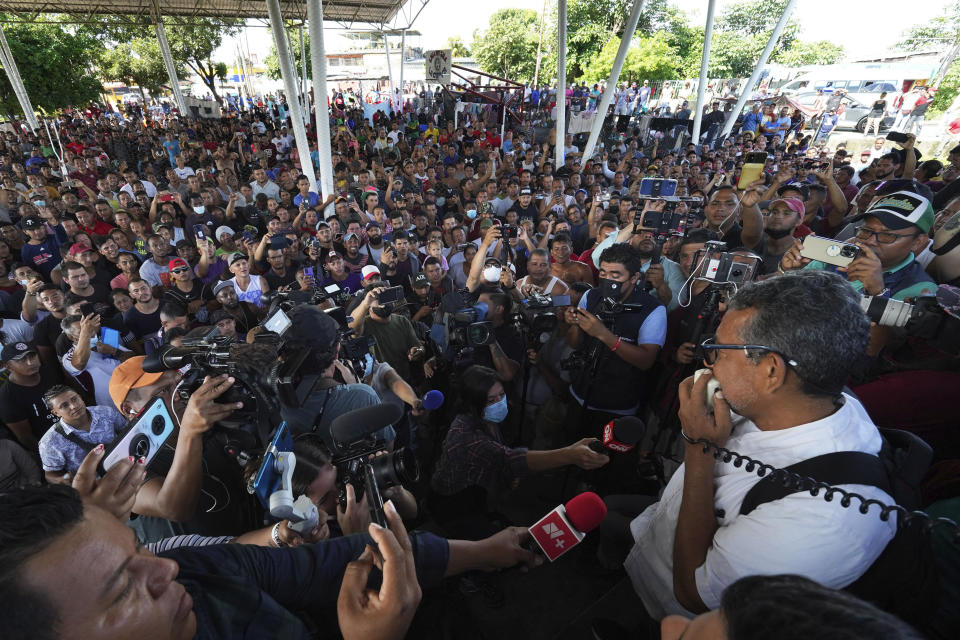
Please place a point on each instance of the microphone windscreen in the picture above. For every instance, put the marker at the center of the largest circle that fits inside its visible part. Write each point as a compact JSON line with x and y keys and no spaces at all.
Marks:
{"x":628,"y":430}
{"x":433,"y":399}
{"x":586,"y":511}
{"x":359,"y":423}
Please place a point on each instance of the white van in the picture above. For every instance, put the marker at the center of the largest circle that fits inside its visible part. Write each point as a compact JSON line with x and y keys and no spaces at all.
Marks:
{"x":865,"y":81}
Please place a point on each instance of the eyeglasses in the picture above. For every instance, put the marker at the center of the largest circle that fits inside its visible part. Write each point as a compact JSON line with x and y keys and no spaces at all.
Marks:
{"x":883,"y":237}
{"x":711,"y":348}
{"x":179,"y":270}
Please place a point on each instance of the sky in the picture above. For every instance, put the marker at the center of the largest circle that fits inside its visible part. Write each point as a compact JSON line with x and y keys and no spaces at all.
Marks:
{"x":863,"y":29}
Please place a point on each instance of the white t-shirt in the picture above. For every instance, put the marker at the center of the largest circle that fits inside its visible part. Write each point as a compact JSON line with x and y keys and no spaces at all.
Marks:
{"x":799,"y":534}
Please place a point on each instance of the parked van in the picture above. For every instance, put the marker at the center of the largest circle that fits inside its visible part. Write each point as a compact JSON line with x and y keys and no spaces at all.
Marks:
{"x":865,"y":81}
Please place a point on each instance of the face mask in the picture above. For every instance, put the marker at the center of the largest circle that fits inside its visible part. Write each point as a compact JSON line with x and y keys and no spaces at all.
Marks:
{"x":496,"y":412}
{"x":39,"y":203}
{"x":199,"y":210}
{"x":491,"y":273}
{"x":471,"y":213}
{"x":441,"y":201}
{"x":611,"y":288}
{"x":367,"y":365}
{"x":776,"y":234}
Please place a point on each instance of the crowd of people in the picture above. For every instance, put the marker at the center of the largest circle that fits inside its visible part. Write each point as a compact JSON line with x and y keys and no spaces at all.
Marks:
{"x":545,"y":301}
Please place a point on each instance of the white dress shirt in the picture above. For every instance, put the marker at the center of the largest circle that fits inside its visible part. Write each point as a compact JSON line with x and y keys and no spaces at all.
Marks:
{"x":799,"y":534}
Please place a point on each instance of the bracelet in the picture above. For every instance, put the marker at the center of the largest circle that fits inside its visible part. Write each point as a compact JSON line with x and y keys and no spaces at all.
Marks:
{"x":780,"y":270}
{"x":616,"y":344}
{"x":275,"y":536}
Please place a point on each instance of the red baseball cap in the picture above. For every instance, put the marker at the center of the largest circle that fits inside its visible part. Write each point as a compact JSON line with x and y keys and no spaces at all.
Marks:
{"x":77,"y":248}
{"x":177,"y":262}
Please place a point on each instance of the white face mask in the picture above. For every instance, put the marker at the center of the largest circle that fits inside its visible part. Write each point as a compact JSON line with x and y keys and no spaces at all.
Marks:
{"x":199,"y":210}
{"x":491,"y":273}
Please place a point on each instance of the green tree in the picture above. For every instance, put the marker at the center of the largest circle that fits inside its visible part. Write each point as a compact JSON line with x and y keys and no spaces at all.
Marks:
{"x":508,"y":47}
{"x":458,"y":47}
{"x":137,"y":63}
{"x":193,"y":41}
{"x":648,"y":58}
{"x":941,"y":32}
{"x":805,"y":52}
{"x":293,"y":37}
{"x":55,"y":64}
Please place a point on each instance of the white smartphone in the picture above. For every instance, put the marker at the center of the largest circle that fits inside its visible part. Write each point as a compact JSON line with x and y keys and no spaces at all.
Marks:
{"x":143,"y":437}
{"x":712,"y":386}
{"x":829,"y":251}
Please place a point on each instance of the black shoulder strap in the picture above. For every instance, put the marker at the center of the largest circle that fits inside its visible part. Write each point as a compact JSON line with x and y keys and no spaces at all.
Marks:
{"x":74,"y":438}
{"x":837,"y":468}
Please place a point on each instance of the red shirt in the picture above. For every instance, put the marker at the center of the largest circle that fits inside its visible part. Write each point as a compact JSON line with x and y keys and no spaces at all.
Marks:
{"x":101,"y":228}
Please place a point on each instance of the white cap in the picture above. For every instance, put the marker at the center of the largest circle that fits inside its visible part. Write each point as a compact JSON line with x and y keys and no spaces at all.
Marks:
{"x":222,"y":230}
{"x":368,"y":271}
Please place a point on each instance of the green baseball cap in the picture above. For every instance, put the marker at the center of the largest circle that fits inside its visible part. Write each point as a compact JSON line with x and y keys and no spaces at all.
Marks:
{"x":902,"y":209}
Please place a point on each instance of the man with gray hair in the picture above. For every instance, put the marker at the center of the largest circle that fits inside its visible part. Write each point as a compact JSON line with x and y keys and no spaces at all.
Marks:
{"x":781,"y":374}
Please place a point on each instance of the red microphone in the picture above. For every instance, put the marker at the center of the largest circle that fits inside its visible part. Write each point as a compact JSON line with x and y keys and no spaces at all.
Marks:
{"x":620,"y":435}
{"x":563,"y":528}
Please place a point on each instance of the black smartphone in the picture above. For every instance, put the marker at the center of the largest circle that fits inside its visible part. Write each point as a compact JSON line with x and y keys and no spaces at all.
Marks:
{"x":87,"y":309}
{"x":896,"y":136}
{"x":390,"y":295}
{"x":199,"y":231}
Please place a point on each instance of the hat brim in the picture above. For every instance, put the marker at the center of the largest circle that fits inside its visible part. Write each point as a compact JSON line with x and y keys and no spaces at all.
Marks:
{"x":890,"y":220}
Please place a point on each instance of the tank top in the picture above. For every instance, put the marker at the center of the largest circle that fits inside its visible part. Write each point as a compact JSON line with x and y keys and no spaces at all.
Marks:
{"x":254,"y":291}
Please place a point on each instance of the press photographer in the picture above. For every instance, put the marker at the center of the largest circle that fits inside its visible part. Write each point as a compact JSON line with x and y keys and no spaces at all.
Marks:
{"x":618,"y":330}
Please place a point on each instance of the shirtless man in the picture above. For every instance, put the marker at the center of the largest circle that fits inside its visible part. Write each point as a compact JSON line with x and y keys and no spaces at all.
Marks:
{"x":538,"y":278}
{"x":561,"y":248}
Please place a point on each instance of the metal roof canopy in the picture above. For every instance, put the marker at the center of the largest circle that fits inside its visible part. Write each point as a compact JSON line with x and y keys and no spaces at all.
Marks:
{"x":345,"y":12}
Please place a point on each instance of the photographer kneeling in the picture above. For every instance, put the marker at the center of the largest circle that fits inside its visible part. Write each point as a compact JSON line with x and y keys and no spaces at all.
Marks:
{"x":475,"y":463}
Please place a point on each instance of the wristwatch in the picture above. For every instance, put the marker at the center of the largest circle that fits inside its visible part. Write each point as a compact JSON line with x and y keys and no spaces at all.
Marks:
{"x":275,"y":536}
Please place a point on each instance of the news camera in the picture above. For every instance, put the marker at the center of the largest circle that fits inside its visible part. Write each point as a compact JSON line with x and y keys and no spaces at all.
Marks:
{"x":935,"y":319}
{"x":354,"y":443}
{"x":537,"y":313}
{"x":461,"y":327}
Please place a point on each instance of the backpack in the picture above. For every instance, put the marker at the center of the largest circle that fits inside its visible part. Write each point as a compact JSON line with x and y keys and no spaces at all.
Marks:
{"x":903,"y":579}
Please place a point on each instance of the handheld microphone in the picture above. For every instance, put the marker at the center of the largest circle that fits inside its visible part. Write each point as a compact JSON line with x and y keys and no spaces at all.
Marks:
{"x":565,"y":527}
{"x":620,"y":435}
{"x":354,"y":425}
{"x":431,"y":400}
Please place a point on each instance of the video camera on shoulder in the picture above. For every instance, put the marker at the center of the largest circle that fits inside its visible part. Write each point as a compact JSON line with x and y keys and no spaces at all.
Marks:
{"x":538,"y":313}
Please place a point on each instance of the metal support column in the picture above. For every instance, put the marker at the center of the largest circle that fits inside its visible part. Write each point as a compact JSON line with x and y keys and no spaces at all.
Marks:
{"x":318,"y":66}
{"x":304,"y":92}
{"x":704,"y":64}
{"x":761,"y":63}
{"x":290,"y":88}
{"x":561,"y":123}
{"x":403,"y":48}
{"x":386,"y":44}
{"x":608,"y":91}
{"x":168,"y":60}
{"x":13,"y":74}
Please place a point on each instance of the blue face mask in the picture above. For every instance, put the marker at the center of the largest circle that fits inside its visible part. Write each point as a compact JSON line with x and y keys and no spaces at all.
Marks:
{"x":496,"y":412}
{"x":472,"y":213}
{"x":440,"y":201}
{"x":367,"y":365}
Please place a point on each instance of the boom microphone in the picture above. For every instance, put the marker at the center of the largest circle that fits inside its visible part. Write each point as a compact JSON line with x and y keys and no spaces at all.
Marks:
{"x":620,"y":435}
{"x":565,"y":527}
{"x":359,"y":423}
{"x":432,"y":399}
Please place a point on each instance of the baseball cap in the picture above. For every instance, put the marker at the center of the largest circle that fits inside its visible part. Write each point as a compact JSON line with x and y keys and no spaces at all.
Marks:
{"x":372,"y":224}
{"x":485,"y":207}
{"x":323,"y":225}
{"x":15,"y":351}
{"x":351,"y":235}
{"x":333,"y":255}
{"x":236,"y":256}
{"x":31,"y":223}
{"x":221,"y":230}
{"x":223,"y":284}
{"x":312,"y":328}
{"x":525,"y":191}
{"x":795,"y":204}
{"x":128,"y":375}
{"x":421,"y":280}
{"x":77,"y":248}
{"x":177,"y":262}
{"x":369,"y":271}
{"x":900,"y":210}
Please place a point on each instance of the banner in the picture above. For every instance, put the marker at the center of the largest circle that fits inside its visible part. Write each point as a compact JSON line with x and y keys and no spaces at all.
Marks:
{"x":438,"y":66}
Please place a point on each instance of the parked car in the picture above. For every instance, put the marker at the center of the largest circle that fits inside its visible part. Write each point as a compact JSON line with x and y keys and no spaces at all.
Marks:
{"x":854,"y":114}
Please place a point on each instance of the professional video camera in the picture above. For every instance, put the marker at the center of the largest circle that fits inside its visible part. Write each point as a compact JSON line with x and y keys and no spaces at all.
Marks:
{"x":355,"y":349}
{"x":724,"y":268}
{"x":353,"y":445}
{"x":665,"y":223}
{"x":287,"y":300}
{"x":537,"y":312}
{"x":935,"y":319}
{"x":462,"y":327}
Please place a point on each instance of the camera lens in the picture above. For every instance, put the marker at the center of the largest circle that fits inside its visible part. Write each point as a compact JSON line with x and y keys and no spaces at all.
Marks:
{"x":140,"y":446}
{"x":399,"y":467}
{"x":157,"y":425}
{"x":849,"y":252}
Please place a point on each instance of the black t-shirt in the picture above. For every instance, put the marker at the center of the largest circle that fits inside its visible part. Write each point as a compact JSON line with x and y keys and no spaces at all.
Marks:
{"x":46,"y":331}
{"x":509,"y":340}
{"x":182,"y":298}
{"x":531,"y":211}
{"x":276,"y":281}
{"x":142,"y":324}
{"x":18,"y":402}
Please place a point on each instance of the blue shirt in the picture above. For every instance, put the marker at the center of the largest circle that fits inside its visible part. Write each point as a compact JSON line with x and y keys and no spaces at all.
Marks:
{"x":751,"y":121}
{"x":312,"y":199}
{"x":61,"y":455}
{"x":42,"y":257}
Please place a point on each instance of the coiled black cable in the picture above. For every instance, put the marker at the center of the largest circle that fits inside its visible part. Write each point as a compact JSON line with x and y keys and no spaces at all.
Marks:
{"x":793,"y":480}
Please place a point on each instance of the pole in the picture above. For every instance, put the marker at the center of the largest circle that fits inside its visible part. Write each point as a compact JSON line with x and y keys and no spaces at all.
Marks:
{"x":536,"y":71}
{"x":561,"y":124}
{"x":608,"y":91}
{"x":168,"y":60}
{"x":704,"y":64}
{"x":50,"y":138}
{"x":290,"y":88}
{"x":318,"y":66}
{"x":761,"y":63}
{"x":386,"y":44}
{"x":403,"y":48}
{"x":13,"y":74}
{"x":304,"y":92}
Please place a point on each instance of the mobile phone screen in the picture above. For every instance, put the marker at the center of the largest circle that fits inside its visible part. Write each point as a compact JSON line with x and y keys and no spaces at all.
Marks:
{"x":110,"y":337}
